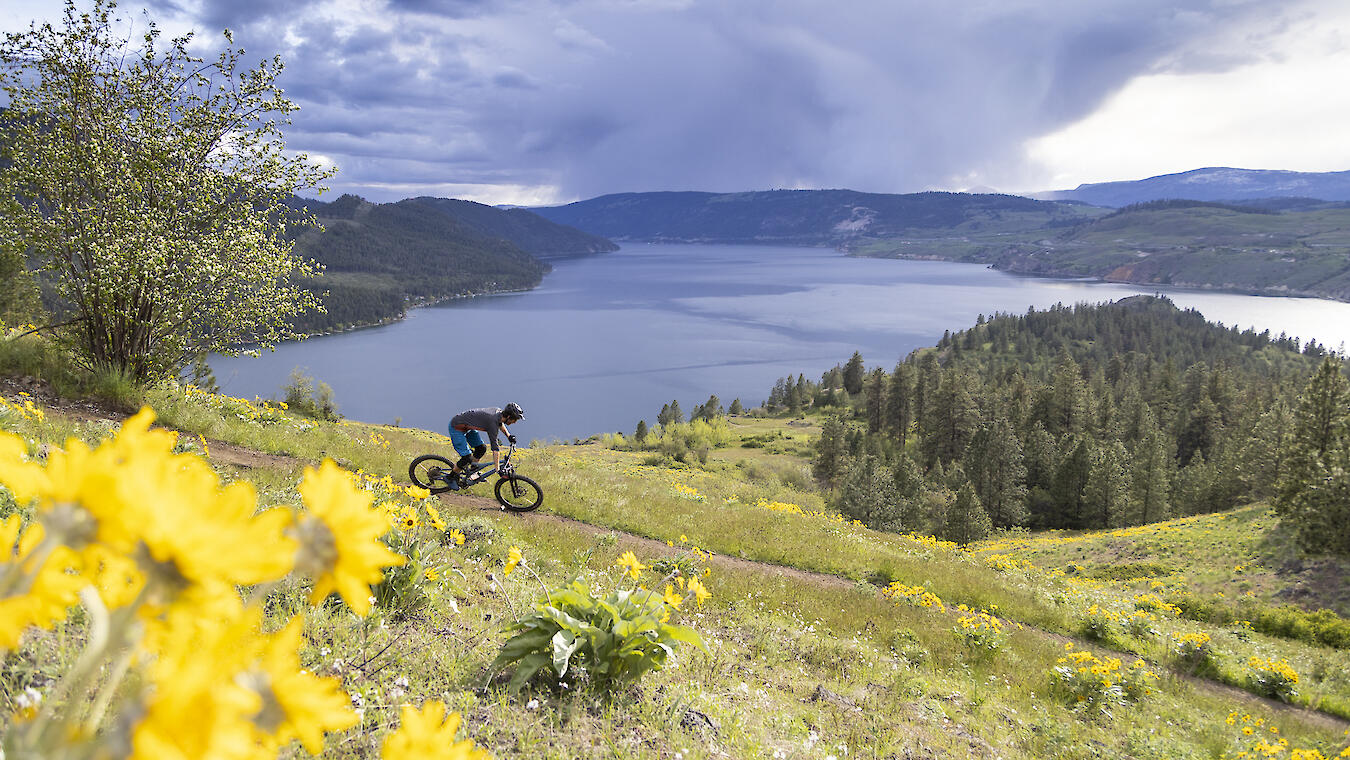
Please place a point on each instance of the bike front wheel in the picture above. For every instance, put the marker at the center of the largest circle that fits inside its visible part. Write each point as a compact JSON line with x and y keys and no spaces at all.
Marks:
{"x":519,"y":494}
{"x":431,"y":472}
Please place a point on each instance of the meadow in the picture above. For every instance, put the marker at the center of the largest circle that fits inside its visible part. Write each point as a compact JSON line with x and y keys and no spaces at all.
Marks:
{"x":823,"y":638}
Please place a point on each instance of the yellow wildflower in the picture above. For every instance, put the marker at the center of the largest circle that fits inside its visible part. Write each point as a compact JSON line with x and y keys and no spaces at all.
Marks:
{"x":340,"y":538}
{"x":457,"y":537}
{"x":634,"y":566}
{"x":429,"y":733}
{"x":671,"y":598}
{"x":513,"y":558}
{"x":701,"y":593}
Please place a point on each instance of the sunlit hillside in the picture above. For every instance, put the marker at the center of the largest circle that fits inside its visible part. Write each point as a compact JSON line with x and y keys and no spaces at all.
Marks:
{"x":822,"y":638}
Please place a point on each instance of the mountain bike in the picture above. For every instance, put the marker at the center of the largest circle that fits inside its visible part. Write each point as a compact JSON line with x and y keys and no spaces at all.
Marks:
{"x":514,"y":492}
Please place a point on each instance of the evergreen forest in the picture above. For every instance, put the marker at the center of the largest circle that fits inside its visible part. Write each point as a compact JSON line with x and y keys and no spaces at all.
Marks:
{"x":1080,"y":417}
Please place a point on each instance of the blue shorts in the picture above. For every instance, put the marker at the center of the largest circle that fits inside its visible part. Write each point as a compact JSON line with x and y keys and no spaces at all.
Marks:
{"x":465,"y":443}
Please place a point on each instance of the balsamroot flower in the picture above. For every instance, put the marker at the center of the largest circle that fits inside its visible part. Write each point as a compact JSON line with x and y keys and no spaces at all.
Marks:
{"x":633,"y":566}
{"x":429,"y":733}
{"x":340,"y":537}
{"x":32,"y":594}
{"x":513,"y":558}
{"x":671,"y":598}
{"x":696,"y":587}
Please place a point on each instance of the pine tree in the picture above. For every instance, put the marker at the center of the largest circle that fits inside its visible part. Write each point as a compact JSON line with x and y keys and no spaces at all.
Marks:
{"x":876,"y":400}
{"x":831,"y":451}
{"x":640,"y":435}
{"x":952,"y":418}
{"x":967,"y":521}
{"x":899,"y":402}
{"x":1152,"y":472}
{"x":994,"y":465}
{"x":736,"y":409}
{"x":1315,"y":492}
{"x":1263,"y":457}
{"x":853,"y":374}
{"x":1066,"y":487}
{"x":867,"y":493}
{"x":1106,"y":495}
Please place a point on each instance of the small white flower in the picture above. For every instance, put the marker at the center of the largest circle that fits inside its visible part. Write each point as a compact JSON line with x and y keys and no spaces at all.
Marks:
{"x":29,"y":698}
{"x":338,"y":665}
{"x":533,"y":704}
{"x":324,"y":652}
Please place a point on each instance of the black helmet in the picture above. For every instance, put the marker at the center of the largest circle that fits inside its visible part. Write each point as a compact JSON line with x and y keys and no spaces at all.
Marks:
{"x":513,"y":410}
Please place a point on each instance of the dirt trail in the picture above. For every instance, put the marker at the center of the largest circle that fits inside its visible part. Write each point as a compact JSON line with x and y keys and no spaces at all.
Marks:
{"x":230,"y":454}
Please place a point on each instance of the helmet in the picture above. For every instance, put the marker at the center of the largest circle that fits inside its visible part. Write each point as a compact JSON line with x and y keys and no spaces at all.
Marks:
{"x":513,"y":410}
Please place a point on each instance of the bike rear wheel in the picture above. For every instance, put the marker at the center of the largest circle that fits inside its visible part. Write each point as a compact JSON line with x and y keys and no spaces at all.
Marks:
{"x":431,"y":472}
{"x":519,"y":494}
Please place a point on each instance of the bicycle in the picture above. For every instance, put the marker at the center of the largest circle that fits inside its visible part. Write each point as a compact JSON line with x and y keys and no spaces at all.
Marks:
{"x":514,"y":492}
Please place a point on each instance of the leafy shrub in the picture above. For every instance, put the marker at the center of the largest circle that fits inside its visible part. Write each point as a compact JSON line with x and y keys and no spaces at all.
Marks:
{"x":981,"y":632}
{"x":1272,"y":678}
{"x":1099,"y":624}
{"x":1194,"y":652}
{"x":614,"y":639}
{"x":303,"y":397}
{"x":1090,"y":683}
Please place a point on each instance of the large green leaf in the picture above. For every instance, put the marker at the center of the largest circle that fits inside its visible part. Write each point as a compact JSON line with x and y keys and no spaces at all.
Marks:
{"x":565,"y":644}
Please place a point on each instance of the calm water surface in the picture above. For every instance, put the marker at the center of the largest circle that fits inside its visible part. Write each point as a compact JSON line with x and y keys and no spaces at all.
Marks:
{"x":607,"y":339}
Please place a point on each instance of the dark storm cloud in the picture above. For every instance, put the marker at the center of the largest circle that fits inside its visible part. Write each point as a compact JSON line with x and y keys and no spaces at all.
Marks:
{"x":599,"y":96}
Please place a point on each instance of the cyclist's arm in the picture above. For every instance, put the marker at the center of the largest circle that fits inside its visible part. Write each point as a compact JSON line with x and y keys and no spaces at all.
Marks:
{"x":496,"y":453}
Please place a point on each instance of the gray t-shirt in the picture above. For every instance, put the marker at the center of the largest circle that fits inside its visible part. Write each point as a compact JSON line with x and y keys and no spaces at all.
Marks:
{"x":487,"y":420}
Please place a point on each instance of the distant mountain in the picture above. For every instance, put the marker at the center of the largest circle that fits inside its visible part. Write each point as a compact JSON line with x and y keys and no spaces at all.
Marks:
{"x":1179,"y":243}
{"x":531,"y":232}
{"x":803,"y":217}
{"x":1212,"y":184}
{"x":378,"y":258}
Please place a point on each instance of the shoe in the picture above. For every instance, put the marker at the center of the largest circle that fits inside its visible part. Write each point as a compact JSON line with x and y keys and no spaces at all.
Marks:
{"x":454,"y":485}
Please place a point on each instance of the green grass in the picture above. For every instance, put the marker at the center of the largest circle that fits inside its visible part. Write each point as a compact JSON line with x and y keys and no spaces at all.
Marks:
{"x":803,"y":666}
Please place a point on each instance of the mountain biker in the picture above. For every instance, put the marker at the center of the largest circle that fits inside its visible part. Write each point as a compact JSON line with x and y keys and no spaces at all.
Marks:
{"x":467,"y":427}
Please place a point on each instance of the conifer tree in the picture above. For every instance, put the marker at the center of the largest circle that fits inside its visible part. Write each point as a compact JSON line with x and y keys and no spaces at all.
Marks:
{"x":640,"y":435}
{"x":832,"y":451}
{"x":853,"y":374}
{"x":993,"y":462}
{"x":1106,"y":495}
{"x":876,"y":400}
{"x":736,"y":409}
{"x":967,"y":521}
{"x":899,"y":401}
{"x":1152,"y":472}
{"x":867,"y":493}
{"x":1315,"y":492}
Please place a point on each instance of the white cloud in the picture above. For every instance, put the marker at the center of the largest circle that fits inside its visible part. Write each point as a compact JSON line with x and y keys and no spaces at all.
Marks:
{"x":1285,"y":111}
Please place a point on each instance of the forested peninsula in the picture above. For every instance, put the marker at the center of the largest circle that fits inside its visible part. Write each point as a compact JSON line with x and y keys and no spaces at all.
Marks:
{"x":379,"y":259}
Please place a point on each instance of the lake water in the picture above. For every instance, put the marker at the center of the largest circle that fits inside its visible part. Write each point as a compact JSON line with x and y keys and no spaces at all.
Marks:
{"x":607,"y":339}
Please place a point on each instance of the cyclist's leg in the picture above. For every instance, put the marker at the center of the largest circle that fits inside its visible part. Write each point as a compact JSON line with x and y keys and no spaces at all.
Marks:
{"x":461,"y":444}
{"x":475,"y":439}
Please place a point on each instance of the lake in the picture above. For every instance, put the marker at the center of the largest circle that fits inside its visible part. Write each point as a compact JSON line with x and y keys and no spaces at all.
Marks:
{"x":607,"y":339}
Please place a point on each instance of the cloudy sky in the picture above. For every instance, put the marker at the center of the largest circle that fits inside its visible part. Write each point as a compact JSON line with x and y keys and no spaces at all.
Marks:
{"x":544,"y":101}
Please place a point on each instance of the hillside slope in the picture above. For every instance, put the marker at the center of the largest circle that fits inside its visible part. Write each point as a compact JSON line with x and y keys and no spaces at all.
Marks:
{"x":380,"y":257}
{"x":807,"y":657}
{"x":1171,"y":243}
{"x":1212,"y":184}
{"x":801,"y":217}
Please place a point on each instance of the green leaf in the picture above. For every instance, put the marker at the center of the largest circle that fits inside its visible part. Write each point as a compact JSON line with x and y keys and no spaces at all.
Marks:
{"x":565,"y":644}
{"x":526,"y":670}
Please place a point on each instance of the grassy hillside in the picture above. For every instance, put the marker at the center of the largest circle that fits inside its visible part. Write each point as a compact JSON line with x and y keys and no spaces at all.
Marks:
{"x":1183,"y":244}
{"x":824,"y":638}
